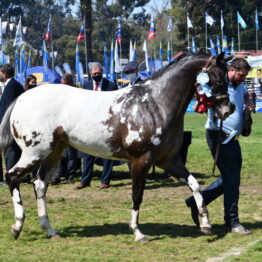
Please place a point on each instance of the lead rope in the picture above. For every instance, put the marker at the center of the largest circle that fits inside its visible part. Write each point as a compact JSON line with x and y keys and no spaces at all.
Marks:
{"x":218,"y":146}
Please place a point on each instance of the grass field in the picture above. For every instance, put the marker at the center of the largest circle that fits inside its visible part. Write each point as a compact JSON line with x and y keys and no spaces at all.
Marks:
{"x":93,"y":223}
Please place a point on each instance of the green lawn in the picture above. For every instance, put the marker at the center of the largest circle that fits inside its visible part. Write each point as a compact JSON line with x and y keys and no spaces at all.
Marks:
{"x":94,"y":223}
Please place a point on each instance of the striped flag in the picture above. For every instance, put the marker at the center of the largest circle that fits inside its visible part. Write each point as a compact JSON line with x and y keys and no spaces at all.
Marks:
{"x":168,"y":52}
{"x":193,"y":45}
{"x":146,"y":55}
{"x":117,"y":60}
{"x":48,"y":34}
{"x":218,"y":45}
{"x":78,"y":77}
{"x":118,"y":32}
{"x":152,"y":31}
{"x":212,"y":47}
{"x":112,"y":74}
{"x":105,"y":61}
{"x":81,"y":35}
{"x":22,"y":60}
{"x":45,"y":61}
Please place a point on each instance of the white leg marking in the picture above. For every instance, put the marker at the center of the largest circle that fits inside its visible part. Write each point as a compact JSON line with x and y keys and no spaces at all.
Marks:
{"x":41,"y":207}
{"x":19,"y":210}
{"x":193,"y":184}
{"x":133,"y":225}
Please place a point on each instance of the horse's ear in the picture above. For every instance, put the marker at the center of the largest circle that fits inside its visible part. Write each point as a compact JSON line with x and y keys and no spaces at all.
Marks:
{"x":220,"y":57}
{"x":228,"y":58}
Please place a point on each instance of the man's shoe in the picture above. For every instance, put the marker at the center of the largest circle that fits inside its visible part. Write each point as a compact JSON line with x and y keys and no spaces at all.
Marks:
{"x":190,"y":202}
{"x":103,"y":186}
{"x":81,"y":186}
{"x":239,"y":229}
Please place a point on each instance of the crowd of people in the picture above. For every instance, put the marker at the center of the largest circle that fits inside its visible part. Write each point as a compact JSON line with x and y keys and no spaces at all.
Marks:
{"x":229,"y":160}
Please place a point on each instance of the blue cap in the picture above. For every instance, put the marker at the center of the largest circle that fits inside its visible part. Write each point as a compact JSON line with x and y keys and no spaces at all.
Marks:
{"x":130,"y":66}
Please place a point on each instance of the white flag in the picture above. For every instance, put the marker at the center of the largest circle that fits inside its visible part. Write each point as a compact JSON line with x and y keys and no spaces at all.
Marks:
{"x":222,"y":24}
{"x":170,"y":24}
{"x":146,"y":56}
{"x":117,"y":60}
{"x":130,"y":51}
{"x":18,"y":36}
{"x":189,"y":23}
{"x":209,"y":19}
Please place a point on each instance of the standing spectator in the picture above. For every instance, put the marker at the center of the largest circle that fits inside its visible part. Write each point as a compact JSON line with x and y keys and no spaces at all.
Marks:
{"x":229,"y":160}
{"x":12,"y":89}
{"x":97,"y":83}
{"x":30,"y":82}
{"x":69,"y":162}
{"x":131,"y":71}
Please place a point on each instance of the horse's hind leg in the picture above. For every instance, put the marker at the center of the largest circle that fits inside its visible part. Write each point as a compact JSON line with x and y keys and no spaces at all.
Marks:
{"x":176,"y":167}
{"x":45,"y":173}
{"x":139,"y":169}
{"x":25,"y":164}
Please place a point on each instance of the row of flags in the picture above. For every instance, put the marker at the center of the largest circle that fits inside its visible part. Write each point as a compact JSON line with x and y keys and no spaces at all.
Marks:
{"x":210,"y":20}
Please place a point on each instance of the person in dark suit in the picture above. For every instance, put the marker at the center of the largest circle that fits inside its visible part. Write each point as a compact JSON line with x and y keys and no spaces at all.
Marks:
{"x":97,"y":83}
{"x":12,"y":89}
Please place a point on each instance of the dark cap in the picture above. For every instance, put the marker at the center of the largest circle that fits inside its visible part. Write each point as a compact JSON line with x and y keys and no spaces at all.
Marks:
{"x":130,"y":66}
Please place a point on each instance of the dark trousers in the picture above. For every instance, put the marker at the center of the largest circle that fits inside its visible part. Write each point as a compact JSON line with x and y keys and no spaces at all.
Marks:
{"x":229,"y":163}
{"x":88,"y":163}
{"x":1,"y":169}
{"x":68,"y":164}
{"x":12,"y":155}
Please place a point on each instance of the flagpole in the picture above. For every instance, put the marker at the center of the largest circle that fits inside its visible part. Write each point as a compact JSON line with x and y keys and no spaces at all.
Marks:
{"x":120,"y":56}
{"x":171,"y":44}
{"x":87,"y":69}
{"x":206,"y":34}
{"x":188,"y":37}
{"x":238,"y":37}
{"x":222,"y":31}
{"x":154,"y":49}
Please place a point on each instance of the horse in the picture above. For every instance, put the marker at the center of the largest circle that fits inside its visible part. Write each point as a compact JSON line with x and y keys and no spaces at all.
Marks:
{"x":142,"y":124}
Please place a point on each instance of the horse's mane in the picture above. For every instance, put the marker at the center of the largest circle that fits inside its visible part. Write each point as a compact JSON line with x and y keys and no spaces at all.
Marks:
{"x":183,"y":58}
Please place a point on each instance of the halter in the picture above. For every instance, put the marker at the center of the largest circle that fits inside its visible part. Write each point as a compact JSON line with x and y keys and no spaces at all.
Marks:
{"x":203,"y":100}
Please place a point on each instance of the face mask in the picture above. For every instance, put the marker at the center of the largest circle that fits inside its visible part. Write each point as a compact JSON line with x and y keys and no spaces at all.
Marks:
{"x":131,"y":77}
{"x":97,"y":78}
{"x":31,"y":86}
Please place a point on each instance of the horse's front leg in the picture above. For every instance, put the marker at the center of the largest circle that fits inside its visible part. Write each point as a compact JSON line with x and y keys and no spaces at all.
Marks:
{"x":139,"y":169}
{"x":40,"y":187}
{"x":176,"y":167}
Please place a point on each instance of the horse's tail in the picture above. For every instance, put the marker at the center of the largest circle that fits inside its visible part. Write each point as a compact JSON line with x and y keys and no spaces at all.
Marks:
{"x":6,"y":137}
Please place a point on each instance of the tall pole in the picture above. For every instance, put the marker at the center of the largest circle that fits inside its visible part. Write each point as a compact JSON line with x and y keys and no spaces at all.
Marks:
{"x":87,"y":69}
{"x":238,"y":34}
{"x":172,"y":44}
{"x":206,"y":36}
{"x":222,"y":30}
{"x":188,"y":44}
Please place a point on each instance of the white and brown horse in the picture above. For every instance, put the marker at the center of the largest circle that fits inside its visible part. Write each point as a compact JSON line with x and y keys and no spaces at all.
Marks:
{"x":142,"y":124}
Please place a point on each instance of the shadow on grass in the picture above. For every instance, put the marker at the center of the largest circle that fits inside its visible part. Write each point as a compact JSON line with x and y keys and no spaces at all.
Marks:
{"x":219,"y":231}
{"x":155,"y":230}
{"x":153,"y":181}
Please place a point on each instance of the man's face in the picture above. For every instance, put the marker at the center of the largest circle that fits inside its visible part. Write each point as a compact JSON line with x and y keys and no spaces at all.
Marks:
{"x":2,"y":77}
{"x":96,"y":71}
{"x":236,"y":77}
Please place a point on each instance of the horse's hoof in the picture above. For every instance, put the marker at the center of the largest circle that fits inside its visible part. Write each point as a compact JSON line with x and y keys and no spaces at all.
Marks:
{"x":206,"y":230}
{"x":15,"y":232}
{"x":55,"y":236}
{"x":142,"y":239}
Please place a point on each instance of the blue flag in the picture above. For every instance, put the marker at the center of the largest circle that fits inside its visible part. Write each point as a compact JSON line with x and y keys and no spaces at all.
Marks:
{"x":256,"y":20}
{"x":112,"y":73}
{"x":22,"y":61}
{"x":168,"y":52}
{"x":160,"y":50}
{"x":193,"y":48}
{"x":16,"y":62}
{"x":218,"y":45}
{"x":224,"y":45}
{"x":241,"y":21}
{"x":45,"y":62}
{"x":29,"y":59}
{"x":78,"y":77}
{"x":212,"y":47}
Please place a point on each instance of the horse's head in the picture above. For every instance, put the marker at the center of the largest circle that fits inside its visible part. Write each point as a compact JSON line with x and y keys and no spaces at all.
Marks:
{"x":218,"y":81}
